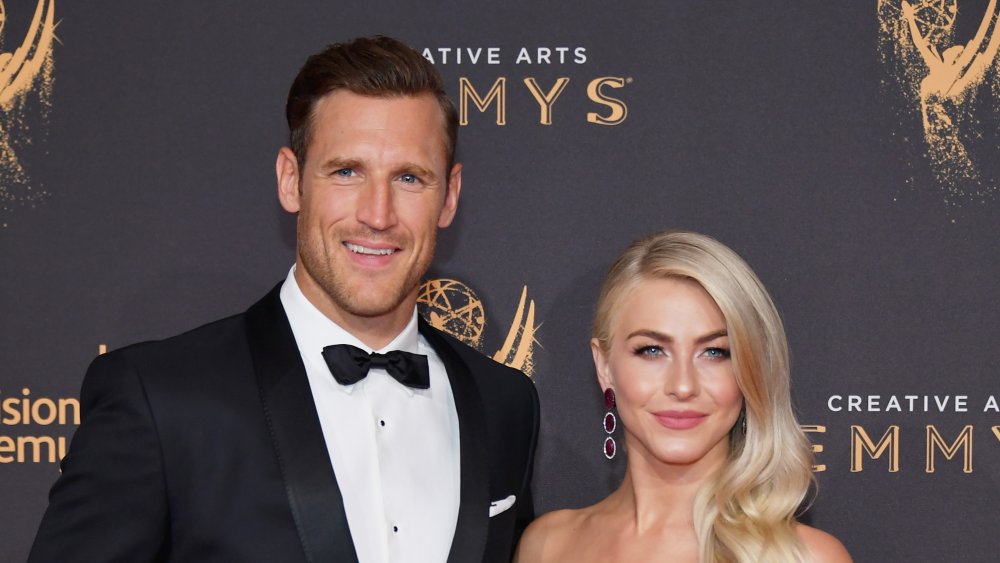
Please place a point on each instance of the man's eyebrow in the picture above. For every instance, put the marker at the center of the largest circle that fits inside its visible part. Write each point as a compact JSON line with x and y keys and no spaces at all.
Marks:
{"x":336,"y":163}
{"x":417,"y":170}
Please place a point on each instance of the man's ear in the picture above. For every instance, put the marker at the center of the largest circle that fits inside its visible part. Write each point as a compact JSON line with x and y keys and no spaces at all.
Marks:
{"x":287,"y":170}
{"x":451,"y":196}
{"x":601,"y":365}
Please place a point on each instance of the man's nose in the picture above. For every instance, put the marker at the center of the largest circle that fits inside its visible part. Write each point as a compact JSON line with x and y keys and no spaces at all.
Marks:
{"x":376,"y":207}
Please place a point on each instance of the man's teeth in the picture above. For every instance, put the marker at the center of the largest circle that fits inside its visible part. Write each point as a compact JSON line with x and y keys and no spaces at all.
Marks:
{"x":358,"y":249}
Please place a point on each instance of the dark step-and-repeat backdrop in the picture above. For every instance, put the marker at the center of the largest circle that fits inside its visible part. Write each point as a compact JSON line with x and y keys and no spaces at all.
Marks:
{"x":849,"y":150}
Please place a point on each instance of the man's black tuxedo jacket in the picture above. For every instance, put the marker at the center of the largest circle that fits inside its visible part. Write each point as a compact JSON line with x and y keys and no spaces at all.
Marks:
{"x":207,"y":447}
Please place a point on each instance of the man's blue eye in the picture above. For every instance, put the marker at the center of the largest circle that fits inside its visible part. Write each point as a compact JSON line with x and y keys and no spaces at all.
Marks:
{"x":345,"y":172}
{"x":408,"y":178}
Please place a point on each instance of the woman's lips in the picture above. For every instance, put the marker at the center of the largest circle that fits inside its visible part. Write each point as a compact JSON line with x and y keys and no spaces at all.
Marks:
{"x":680,"y":420}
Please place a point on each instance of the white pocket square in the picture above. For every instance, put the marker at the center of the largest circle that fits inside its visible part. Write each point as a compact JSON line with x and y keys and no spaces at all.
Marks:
{"x":498,"y":506}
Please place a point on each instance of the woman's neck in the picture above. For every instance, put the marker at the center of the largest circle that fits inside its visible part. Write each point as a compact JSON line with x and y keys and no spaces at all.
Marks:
{"x":662,"y":495}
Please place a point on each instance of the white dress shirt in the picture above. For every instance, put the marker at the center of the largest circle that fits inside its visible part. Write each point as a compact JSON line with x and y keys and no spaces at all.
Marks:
{"x":394,"y":449}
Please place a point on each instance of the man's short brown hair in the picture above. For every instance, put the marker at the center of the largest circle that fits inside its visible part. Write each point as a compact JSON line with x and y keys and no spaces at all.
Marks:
{"x":376,"y":66}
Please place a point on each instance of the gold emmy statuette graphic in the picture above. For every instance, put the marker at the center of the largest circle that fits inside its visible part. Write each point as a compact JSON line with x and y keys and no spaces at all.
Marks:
{"x":452,"y":307}
{"x":944,"y":76}
{"x":26,"y":69}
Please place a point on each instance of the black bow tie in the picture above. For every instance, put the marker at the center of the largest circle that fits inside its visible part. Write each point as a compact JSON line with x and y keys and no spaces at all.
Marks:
{"x":350,"y":364}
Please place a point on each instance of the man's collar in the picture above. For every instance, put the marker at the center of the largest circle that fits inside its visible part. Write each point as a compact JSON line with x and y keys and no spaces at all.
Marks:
{"x":314,"y":330}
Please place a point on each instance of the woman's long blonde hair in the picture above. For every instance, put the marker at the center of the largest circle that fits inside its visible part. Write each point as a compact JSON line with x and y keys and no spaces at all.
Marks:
{"x":747,"y":512}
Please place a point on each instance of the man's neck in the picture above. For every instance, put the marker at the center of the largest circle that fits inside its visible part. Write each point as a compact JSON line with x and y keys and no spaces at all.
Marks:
{"x":374,"y":331}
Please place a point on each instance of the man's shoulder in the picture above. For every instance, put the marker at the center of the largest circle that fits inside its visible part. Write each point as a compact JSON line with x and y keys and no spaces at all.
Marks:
{"x":208,"y":351}
{"x":214,"y":336}
{"x":476,"y":360}
{"x":509,"y":390}
{"x":210,"y":361}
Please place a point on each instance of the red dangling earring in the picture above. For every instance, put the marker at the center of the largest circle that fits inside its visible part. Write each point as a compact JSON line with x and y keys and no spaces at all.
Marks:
{"x":610,"y":423}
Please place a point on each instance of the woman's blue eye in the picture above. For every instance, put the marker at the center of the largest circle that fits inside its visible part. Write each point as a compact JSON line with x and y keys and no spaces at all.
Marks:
{"x":717,"y":352}
{"x":648,"y":351}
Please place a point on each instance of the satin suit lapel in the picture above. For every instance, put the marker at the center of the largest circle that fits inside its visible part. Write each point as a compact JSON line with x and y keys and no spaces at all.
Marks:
{"x":313,"y":494}
{"x":473,"y":512}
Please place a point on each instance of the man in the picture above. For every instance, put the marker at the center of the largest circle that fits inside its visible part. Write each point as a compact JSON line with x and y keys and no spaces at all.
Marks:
{"x":260,"y":437}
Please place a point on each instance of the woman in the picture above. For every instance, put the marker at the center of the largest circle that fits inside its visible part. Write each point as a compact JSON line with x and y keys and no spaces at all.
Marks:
{"x":689,"y":348}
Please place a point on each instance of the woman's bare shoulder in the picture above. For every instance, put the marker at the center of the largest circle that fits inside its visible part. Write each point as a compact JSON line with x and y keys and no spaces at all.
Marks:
{"x":549,"y":536}
{"x":822,"y":547}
